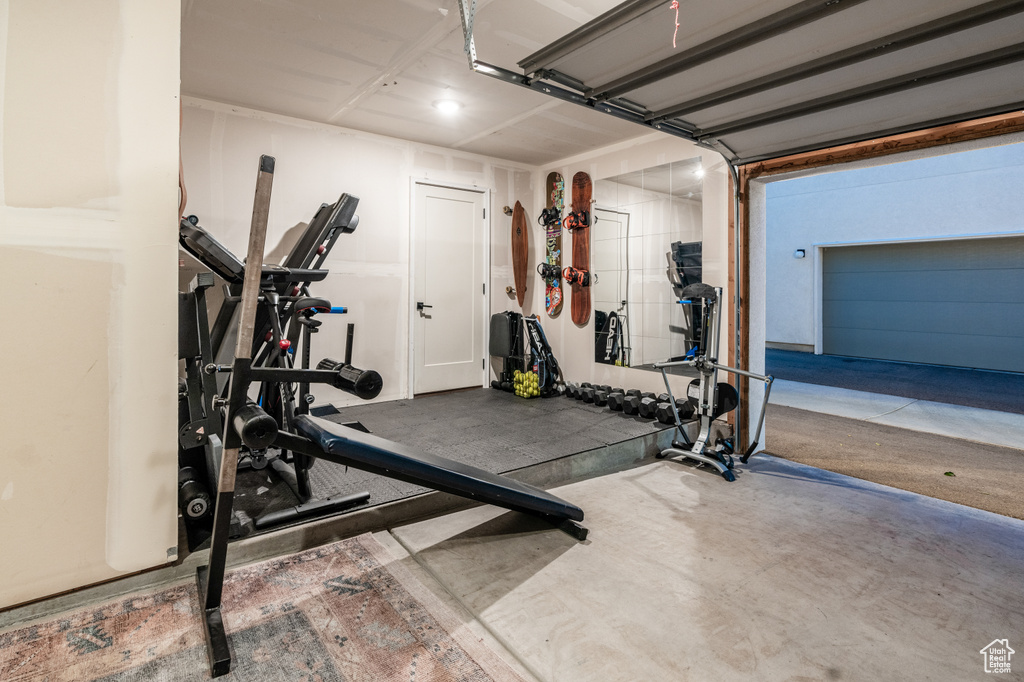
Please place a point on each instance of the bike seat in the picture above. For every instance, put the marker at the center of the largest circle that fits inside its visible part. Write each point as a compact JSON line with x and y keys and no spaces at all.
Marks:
{"x":316,"y":305}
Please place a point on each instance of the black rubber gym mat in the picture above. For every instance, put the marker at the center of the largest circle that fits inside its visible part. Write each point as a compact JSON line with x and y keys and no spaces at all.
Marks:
{"x":490,"y":429}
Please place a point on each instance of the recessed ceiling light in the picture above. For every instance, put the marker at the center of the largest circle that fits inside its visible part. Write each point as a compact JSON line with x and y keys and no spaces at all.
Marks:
{"x":447,"y":106}
{"x":699,"y":172}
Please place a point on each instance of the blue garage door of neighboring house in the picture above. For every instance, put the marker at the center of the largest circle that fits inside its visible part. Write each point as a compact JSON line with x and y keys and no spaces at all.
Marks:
{"x":958,"y":303}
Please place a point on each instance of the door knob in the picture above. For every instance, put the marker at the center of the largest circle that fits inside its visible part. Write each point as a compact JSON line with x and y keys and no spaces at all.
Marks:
{"x":421,"y":305}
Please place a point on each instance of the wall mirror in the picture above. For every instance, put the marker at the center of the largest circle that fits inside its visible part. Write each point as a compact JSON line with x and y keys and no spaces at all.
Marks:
{"x":646,"y":246}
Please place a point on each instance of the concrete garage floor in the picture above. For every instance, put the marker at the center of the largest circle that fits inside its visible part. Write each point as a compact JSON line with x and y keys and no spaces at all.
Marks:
{"x":791,"y":573}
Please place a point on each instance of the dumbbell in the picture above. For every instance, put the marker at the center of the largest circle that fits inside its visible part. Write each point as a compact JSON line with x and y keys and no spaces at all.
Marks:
{"x":615,"y":390}
{"x":664,"y":397}
{"x":634,"y":391}
{"x":600,"y":398}
{"x":615,"y":400}
{"x":604,"y":387}
{"x":586,"y":384}
{"x":631,"y":404}
{"x":588,"y":394}
{"x":647,"y":408}
{"x":648,"y":394}
{"x":570,"y":390}
{"x":664,"y":411}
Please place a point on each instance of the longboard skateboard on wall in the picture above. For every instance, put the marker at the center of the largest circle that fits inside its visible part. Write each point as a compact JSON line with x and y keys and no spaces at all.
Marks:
{"x":520,"y":250}
{"x":551,"y":219}
{"x":578,"y":222}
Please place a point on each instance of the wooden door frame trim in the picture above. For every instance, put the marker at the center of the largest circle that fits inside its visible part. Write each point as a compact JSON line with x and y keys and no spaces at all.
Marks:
{"x":989,"y":126}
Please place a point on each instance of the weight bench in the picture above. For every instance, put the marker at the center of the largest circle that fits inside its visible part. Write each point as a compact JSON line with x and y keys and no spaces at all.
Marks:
{"x":359,"y":450}
{"x":245,"y":422}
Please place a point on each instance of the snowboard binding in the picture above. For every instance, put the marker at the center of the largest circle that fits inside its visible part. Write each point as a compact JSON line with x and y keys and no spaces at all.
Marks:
{"x":548,"y":271}
{"x":549,"y":217}
{"x":576,"y":220}
{"x":581,"y":277}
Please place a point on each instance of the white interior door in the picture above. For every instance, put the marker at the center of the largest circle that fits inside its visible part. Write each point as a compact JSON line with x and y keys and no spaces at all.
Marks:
{"x":448,"y":345}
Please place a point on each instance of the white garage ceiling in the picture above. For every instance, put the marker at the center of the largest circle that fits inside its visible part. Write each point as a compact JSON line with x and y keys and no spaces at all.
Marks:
{"x":378,"y":66}
{"x":753,"y":78}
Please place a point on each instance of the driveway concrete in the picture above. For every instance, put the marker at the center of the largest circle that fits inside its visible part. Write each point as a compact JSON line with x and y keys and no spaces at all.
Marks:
{"x":1000,"y":391}
{"x":955,"y":421}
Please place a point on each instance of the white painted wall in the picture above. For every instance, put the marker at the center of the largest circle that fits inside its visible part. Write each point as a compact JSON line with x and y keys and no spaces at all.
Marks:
{"x":88,"y":206}
{"x":934,"y":194}
{"x":370,"y":269}
{"x":574,"y":346}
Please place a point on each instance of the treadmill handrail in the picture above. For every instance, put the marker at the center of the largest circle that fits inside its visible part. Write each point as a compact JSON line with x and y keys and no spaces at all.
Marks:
{"x":210,"y":252}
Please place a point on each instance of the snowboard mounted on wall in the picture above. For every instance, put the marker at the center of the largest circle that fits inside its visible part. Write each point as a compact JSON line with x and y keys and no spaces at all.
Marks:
{"x":551,"y":219}
{"x":578,"y":223}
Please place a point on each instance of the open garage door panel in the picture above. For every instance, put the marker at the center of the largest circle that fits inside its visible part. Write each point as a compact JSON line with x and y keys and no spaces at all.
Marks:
{"x":958,"y":302}
{"x":762,"y":79}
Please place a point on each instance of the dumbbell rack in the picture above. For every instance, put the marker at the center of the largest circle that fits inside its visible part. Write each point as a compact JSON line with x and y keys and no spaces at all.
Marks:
{"x":706,"y":394}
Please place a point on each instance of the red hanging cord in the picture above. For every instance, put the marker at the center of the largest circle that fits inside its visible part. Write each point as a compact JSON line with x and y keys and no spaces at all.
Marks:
{"x":675,"y":6}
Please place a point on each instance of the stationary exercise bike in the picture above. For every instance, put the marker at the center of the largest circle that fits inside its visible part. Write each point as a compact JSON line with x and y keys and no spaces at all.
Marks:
{"x":709,"y":398}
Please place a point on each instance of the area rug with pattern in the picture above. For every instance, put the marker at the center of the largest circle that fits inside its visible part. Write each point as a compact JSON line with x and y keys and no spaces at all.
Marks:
{"x":345,"y":611}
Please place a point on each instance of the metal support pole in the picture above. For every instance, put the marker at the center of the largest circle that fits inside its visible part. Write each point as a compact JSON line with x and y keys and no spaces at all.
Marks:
{"x":350,"y":334}
{"x":675,"y":410}
{"x":737,"y":302}
{"x":211,"y":577}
